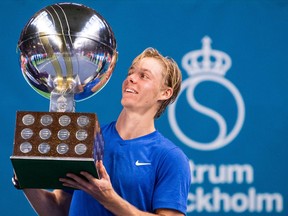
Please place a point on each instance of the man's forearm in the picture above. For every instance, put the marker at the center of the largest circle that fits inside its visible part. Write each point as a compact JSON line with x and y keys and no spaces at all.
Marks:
{"x":118,"y":206}
{"x":45,"y":202}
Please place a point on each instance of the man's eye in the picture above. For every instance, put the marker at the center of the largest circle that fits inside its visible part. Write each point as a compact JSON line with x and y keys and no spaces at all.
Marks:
{"x":143,"y":75}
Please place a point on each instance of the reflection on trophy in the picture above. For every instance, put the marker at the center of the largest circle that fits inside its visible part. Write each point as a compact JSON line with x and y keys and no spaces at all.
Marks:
{"x":67,"y":54}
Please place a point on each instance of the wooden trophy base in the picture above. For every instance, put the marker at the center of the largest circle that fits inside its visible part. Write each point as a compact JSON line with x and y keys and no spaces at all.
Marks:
{"x":48,"y":145}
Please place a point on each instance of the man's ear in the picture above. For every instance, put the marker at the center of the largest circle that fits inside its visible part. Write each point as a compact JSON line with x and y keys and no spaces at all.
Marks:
{"x":166,"y":93}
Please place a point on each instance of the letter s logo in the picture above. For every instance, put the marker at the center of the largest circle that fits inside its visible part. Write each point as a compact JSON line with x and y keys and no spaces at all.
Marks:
{"x":201,"y":72}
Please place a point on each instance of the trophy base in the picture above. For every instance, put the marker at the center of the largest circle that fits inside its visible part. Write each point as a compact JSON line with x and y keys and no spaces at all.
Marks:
{"x":36,"y":172}
{"x":48,"y":145}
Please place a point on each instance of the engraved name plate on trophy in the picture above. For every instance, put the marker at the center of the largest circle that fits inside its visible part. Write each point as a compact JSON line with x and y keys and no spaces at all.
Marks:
{"x":67,"y":54}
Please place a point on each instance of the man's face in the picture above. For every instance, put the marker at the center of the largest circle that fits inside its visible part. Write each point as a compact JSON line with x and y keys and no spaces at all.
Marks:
{"x":143,"y":87}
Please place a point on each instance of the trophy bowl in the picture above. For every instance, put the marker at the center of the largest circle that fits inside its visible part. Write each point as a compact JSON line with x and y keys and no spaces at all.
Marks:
{"x":67,"y":48}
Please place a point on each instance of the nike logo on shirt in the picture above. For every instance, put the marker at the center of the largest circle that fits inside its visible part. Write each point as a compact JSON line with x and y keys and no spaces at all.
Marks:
{"x":137,"y":163}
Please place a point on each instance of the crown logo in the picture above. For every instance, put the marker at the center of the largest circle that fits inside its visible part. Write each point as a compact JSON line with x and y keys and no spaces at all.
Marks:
{"x":206,"y":60}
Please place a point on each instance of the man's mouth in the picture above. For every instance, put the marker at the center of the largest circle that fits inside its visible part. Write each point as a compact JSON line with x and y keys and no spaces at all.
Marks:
{"x":129,"y":90}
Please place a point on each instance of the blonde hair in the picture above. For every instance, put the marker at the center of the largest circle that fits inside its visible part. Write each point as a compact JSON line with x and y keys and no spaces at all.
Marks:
{"x":171,"y":73}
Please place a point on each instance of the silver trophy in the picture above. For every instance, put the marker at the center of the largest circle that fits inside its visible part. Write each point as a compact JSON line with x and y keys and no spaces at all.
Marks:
{"x":67,"y":54}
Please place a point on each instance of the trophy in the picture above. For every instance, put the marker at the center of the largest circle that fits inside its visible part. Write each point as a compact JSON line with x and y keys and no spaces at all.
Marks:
{"x":67,"y":54}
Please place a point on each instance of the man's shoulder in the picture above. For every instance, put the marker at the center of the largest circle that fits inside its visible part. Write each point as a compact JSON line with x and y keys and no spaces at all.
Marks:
{"x":169,"y":149}
{"x":108,"y":126}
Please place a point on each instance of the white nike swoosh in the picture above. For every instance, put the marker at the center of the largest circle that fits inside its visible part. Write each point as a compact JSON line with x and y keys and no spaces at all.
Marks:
{"x":137,"y":163}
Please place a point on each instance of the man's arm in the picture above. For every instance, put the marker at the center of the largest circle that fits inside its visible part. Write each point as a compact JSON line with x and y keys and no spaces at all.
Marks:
{"x":118,"y":206}
{"x":45,"y":202}
{"x":103,"y":192}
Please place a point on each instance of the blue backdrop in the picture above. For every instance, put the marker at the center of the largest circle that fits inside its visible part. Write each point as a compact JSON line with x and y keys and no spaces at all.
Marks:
{"x":231,"y":118}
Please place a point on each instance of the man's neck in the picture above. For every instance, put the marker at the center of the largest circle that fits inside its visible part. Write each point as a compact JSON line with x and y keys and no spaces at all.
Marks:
{"x":133,"y":125}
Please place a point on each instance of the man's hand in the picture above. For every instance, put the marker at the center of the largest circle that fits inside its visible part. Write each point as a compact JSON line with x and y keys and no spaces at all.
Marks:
{"x":101,"y":189}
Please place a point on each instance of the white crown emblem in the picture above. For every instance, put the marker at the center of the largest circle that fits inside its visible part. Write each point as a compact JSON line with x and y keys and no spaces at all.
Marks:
{"x":206,"y":60}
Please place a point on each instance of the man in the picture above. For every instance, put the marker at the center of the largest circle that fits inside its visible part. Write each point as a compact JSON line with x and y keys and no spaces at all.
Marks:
{"x":142,"y":172}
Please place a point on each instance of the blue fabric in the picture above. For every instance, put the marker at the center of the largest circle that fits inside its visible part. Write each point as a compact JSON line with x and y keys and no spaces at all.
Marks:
{"x":150,"y":172}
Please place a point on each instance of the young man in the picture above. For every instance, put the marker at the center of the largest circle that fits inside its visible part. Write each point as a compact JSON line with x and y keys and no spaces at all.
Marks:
{"x":142,"y":172}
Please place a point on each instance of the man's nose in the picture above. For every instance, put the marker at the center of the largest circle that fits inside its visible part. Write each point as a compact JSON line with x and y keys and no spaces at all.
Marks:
{"x":132,"y":78}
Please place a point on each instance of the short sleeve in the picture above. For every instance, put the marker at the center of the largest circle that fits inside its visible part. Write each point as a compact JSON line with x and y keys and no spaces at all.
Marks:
{"x":173,"y":181}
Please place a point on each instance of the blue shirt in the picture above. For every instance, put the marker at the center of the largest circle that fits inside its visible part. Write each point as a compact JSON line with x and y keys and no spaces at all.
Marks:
{"x":150,"y":172}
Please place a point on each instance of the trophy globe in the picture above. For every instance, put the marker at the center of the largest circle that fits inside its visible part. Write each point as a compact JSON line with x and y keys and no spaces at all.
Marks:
{"x":67,"y":54}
